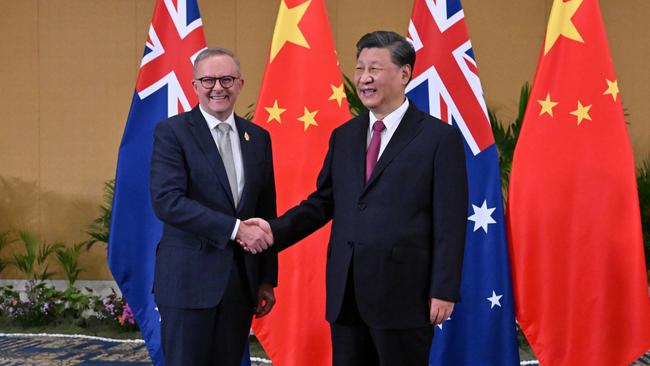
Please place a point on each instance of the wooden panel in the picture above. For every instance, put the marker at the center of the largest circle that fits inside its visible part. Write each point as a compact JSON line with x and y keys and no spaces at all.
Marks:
{"x":254,"y":31}
{"x":86,"y":56}
{"x":356,"y":18}
{"x":19,"y":94}
{"x":507,"y":37}
{"x":19,"y":128}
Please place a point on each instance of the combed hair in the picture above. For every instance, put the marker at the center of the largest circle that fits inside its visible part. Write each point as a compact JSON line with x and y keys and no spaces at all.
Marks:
{"x":401,"y":51}
{"x":215,"y":51}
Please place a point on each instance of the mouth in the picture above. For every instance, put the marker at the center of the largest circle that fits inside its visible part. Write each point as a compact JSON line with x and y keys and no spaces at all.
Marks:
{"x":219,"y":98}
{"x":367,"y":92}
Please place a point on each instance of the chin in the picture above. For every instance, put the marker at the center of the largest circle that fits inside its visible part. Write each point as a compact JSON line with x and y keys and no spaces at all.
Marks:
{"x":371,"y":105}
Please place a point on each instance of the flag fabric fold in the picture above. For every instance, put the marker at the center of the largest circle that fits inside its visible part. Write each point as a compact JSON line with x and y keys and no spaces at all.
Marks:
{"x":302,"y":99}
{"x":481,"y":330}
{"x":163,"y":89}
{"x":574,"y":221}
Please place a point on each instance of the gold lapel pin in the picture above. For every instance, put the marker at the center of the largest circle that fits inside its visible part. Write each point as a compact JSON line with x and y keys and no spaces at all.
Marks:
{"x":246,"y":137}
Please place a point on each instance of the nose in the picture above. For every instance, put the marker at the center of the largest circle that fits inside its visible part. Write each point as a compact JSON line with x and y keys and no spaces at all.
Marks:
{"x":364,"y":76}
{"x":217,"y":86}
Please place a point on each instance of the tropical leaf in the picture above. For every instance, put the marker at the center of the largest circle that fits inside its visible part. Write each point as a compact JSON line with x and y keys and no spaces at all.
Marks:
{"x":506,"y":135}
{"x":5,"y":241}
{"x":68,"y":258}
{"x":98,"y":230}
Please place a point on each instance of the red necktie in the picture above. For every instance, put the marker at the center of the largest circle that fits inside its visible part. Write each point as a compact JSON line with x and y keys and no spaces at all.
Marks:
{"x":373,"y":149}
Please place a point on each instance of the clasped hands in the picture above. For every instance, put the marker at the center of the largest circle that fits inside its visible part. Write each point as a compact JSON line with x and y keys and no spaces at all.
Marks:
{"x":254,"y":235}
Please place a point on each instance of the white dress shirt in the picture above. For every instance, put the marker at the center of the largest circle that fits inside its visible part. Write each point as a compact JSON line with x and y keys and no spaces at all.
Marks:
{"x":391,"y":121}
{"x":236,"y":151}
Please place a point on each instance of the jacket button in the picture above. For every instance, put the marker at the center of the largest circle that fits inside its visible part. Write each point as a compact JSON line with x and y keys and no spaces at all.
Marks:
{"x":361,"y":205}
{"x":351,"y":244}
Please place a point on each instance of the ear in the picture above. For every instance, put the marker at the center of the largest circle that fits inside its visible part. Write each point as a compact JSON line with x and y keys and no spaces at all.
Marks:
{"x":406,"y":73}
{"x":195,"y":85}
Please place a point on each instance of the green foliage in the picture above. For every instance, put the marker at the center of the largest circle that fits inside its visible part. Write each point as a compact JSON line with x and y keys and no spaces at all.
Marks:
{"x":99,"y":228}
{"x":116,"y":310}
{"x":5,"y":241}
{"x":505,"y":137}
{"x":33,"y":263}
{"x":42,"y":304}
{"x":643,"y":183}
{"x":68,"y":258}
{"x":354,"y":103}
{"x":250,"y":112}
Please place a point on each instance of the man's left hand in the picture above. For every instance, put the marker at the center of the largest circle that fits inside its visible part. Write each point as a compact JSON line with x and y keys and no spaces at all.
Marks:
{"x":266,"y":300}
{"x":439,"y":310}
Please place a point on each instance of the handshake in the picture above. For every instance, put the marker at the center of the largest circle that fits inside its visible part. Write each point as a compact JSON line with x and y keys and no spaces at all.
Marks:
{"x":254,"y":235}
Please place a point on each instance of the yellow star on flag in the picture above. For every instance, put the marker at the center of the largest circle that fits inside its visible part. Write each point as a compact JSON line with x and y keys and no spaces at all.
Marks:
{"x":286,"y":27}
{"x":582,"y":112}
{"x":559,"y":23}
{"x":308,"y":118}
{"x":274,"y":112}
{"x":612,"y":88}
{"x":337,"y":93}
{"x":547,"y":105}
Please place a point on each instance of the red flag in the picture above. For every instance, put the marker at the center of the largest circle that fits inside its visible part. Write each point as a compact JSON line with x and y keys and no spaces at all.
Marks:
{"x":574,"y":221}
{"x":301,"y":101}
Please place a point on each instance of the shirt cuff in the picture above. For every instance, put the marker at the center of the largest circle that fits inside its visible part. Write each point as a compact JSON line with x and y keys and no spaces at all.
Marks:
{"x":233,"y":236}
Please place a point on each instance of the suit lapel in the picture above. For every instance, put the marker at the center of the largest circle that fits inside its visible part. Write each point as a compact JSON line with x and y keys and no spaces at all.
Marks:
{"x":359,"y":142}
{"x":244,"y":142}
{"x":408,"y":128}
{"x":202,"y":134}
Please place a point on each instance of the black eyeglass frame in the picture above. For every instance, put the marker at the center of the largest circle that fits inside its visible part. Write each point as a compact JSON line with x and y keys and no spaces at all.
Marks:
{"x":226,"y":82}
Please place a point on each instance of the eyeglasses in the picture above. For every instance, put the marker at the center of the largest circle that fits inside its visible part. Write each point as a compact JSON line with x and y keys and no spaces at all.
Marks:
{"x":209,"y":82}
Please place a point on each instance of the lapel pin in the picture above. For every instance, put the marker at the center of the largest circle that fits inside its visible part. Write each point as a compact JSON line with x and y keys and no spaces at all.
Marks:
{"x":246,"y":136}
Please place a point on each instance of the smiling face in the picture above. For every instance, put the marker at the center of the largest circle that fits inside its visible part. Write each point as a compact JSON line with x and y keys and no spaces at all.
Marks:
{"x":217,"y":101}
{"x":380,"y":83}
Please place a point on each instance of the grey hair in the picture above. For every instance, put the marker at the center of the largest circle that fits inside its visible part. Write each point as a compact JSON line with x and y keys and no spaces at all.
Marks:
{"x":216,"y":51}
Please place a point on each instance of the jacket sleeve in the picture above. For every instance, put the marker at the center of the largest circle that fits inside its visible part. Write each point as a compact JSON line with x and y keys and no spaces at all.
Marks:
{"x":312,"y":213}
{"x":449,"y":216}
{"x":168,"y":184}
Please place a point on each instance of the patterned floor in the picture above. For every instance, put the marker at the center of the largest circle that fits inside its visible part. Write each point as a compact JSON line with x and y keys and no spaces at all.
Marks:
{"x":41,"y":350}
{"x":62,"y":350}
{"x":44,"y":350}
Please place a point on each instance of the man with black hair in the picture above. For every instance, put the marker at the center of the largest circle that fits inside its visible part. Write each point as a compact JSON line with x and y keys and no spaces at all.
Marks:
{"x":394,"y":184}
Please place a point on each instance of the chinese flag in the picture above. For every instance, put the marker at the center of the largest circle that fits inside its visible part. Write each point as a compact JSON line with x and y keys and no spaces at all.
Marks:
{"x":301,"y":101}
{"x":581,"y":291}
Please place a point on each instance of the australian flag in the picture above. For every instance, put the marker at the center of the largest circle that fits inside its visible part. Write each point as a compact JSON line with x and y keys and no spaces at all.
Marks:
{"x":481,"y":330}
{"x":163,"y":89}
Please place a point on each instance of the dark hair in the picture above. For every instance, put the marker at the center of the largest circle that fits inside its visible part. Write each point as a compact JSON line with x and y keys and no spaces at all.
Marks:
{"x":401,"y":51}
{"x":217,"y":51}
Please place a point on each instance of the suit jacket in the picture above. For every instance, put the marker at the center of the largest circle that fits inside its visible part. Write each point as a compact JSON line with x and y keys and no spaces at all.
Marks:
{"x":191,"y":195}
{"x":402,"y":232}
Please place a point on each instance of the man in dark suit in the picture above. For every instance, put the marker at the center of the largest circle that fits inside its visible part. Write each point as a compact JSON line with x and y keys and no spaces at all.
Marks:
{"x":209,"y":168}
{"x":394,"y":184}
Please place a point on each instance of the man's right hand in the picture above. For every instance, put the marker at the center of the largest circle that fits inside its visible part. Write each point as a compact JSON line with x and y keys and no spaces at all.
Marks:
{"x":252,"y":237}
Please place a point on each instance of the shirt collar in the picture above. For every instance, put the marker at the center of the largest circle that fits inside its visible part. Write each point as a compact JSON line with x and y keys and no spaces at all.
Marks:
{"x":393,"y":118}
{"x":214,"y":121}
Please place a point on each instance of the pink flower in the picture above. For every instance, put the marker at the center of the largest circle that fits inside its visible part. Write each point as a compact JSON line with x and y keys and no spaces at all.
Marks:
{"x":127,"y":316}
